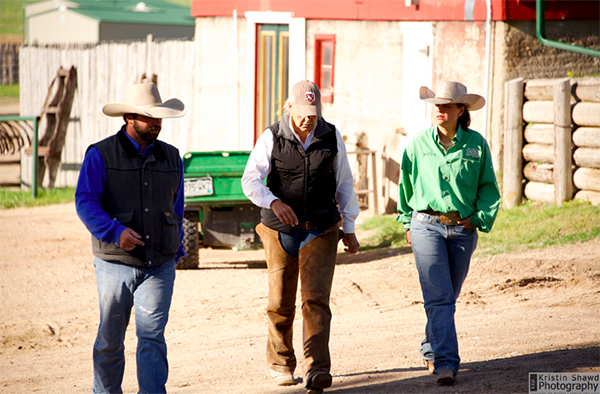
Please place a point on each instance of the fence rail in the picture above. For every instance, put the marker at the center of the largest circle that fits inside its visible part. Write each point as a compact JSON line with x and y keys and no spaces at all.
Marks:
{"x":21,"y":125}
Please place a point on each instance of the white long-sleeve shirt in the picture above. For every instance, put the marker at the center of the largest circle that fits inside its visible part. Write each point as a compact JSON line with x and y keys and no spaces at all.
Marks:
{"x":259,"y":167}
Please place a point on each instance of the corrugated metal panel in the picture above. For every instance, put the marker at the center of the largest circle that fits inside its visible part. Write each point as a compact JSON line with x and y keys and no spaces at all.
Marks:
{"x":61,"y":27}
{"x":45,"y":6}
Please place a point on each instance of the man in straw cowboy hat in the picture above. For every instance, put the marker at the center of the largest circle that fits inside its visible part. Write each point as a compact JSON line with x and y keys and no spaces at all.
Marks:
{"x":130,"y":197}
{"x":447,"y":190}
{"x":309,"y":189}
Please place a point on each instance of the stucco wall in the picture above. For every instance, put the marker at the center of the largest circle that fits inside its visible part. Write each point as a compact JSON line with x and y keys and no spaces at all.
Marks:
{"x":518,"y":53}
{"x":216,"y":82}
{"x":459,"y":55}
{"x":367,"y":86}
{"x":368,"y":75}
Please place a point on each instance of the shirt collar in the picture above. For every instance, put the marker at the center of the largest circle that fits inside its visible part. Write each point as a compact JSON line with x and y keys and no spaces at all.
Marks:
{"x":458,"y":137}
{"x":146,"y":152}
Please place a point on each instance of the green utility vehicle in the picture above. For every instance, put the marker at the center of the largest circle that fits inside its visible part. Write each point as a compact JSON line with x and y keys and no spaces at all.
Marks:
{"x":217,"y":213}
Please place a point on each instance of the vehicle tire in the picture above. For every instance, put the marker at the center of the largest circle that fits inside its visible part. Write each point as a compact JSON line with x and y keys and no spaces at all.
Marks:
{"x":191,"y":241}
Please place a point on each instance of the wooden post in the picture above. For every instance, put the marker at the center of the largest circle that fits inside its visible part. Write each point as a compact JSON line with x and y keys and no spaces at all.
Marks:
{"x":362,"y":183}
{"x":512,"y":178}
{"x":563,"y":175}
{"x":375,"y":190}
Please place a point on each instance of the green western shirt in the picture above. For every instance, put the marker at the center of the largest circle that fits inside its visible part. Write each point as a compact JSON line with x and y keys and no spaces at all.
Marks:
{"x":461,"y":179}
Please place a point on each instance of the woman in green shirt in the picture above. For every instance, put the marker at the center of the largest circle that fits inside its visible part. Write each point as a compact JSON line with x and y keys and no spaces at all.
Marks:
{"x":447,"y":191}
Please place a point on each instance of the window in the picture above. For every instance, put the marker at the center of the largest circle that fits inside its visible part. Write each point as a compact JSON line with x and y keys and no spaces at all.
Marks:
{"x":324,"y":65}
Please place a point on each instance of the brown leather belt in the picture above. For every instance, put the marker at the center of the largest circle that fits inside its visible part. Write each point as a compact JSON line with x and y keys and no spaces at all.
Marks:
{"x":306,"y":226}
{"x":447,"y":218}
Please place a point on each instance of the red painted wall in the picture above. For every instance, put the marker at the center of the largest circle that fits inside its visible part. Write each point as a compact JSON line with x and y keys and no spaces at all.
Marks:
{"x":427,"y":10}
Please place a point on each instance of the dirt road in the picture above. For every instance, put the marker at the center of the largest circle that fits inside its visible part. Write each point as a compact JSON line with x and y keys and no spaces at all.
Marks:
{"x":532,"y":311}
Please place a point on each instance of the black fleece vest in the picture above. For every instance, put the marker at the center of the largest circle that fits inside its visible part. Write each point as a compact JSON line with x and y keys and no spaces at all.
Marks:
{"x":139,"y":193}
{"x":303,"y":180}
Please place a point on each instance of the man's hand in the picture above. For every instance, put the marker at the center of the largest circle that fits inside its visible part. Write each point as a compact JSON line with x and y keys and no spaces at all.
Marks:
{"x":284,"y":212}
{"x":129,"y":239}
{"x":351,"y":243}
{"x":408,"y":236}
{"x":466,"y":223}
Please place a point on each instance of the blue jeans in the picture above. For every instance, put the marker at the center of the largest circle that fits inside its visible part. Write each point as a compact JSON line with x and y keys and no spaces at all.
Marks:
{"x":442,"y":255}
{"x":293,"y":243}
{"x":149,"y":291}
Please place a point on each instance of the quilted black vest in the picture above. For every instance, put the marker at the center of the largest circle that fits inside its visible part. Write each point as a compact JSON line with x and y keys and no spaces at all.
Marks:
{"x":139,"y":193}
{"x":304,"y":180}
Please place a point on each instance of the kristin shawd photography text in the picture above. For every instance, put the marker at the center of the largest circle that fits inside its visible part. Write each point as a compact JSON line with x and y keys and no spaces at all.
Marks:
{"x":564,"y":382}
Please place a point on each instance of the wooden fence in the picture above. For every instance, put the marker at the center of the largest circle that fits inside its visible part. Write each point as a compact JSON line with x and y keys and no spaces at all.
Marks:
{"x":557,"y":153}
{"x":104,"y":72}
{"x":9,"y":63}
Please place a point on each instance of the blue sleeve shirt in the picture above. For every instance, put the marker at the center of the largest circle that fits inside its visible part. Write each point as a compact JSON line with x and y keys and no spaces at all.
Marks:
{"x":90,"y":188}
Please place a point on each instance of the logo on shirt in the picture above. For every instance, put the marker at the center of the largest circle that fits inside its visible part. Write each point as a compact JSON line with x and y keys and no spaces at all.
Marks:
{"x":310,"y":97}
{"x":472,"y":152}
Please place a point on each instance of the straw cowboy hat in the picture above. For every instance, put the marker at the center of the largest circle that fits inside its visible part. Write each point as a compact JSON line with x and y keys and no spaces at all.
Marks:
{"x":144,"y":99}
{"x":452,"y":93}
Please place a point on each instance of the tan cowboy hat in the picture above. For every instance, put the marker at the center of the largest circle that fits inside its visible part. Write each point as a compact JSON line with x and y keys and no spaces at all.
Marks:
{"x":144,"y":99}
{"x":452,"y":93}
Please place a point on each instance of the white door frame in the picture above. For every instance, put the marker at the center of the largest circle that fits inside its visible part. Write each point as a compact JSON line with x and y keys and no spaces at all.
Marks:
{"x":297,"y":59}
{"x":417,"y":71}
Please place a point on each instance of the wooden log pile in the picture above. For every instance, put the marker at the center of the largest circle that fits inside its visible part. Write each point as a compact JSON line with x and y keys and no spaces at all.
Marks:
{"x":547,"y":116}
{"x":586,"y":138}
{"x":561,"y":140}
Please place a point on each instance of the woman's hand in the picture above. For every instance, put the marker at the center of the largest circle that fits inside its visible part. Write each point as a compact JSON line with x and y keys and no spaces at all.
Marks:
{"x":408,"y":236}
{"x":466,"y":223}
{"x":284,"y":212}
{"x":351,"y":243}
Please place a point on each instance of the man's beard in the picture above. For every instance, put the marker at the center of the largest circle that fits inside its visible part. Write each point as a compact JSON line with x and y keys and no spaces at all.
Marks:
{"x":146,"y":133}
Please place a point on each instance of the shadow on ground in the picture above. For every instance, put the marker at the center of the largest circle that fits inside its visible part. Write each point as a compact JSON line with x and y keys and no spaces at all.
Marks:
{"x":506,"y":375}
{"x":372,"y":255}
{"x":342,"y":259}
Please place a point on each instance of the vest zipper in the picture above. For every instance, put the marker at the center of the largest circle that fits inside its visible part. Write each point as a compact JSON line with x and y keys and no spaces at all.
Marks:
{"x":305,"y":185}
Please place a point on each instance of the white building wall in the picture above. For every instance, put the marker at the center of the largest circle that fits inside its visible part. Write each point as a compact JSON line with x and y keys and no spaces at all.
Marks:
{"x":367,"y":91}
{"x":225,"y":94}
{"x":220,"y":112}
{"x":44,"y":6}
{"x":459,"y":55}
{"x":61,"y":26}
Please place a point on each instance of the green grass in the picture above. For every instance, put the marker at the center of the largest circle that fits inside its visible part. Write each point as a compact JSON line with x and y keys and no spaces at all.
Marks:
{"x":532,"y":225}
{"x":9,"y":91}
{"x":22,"y":198}
{"x":11,"y":16}
{"x":535,"y":225}
{"x":387,"y":233}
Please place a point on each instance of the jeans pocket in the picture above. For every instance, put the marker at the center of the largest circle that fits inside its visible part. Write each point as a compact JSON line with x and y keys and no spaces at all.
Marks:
{"x":464,"y":230}
{"x":423,"y":217}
